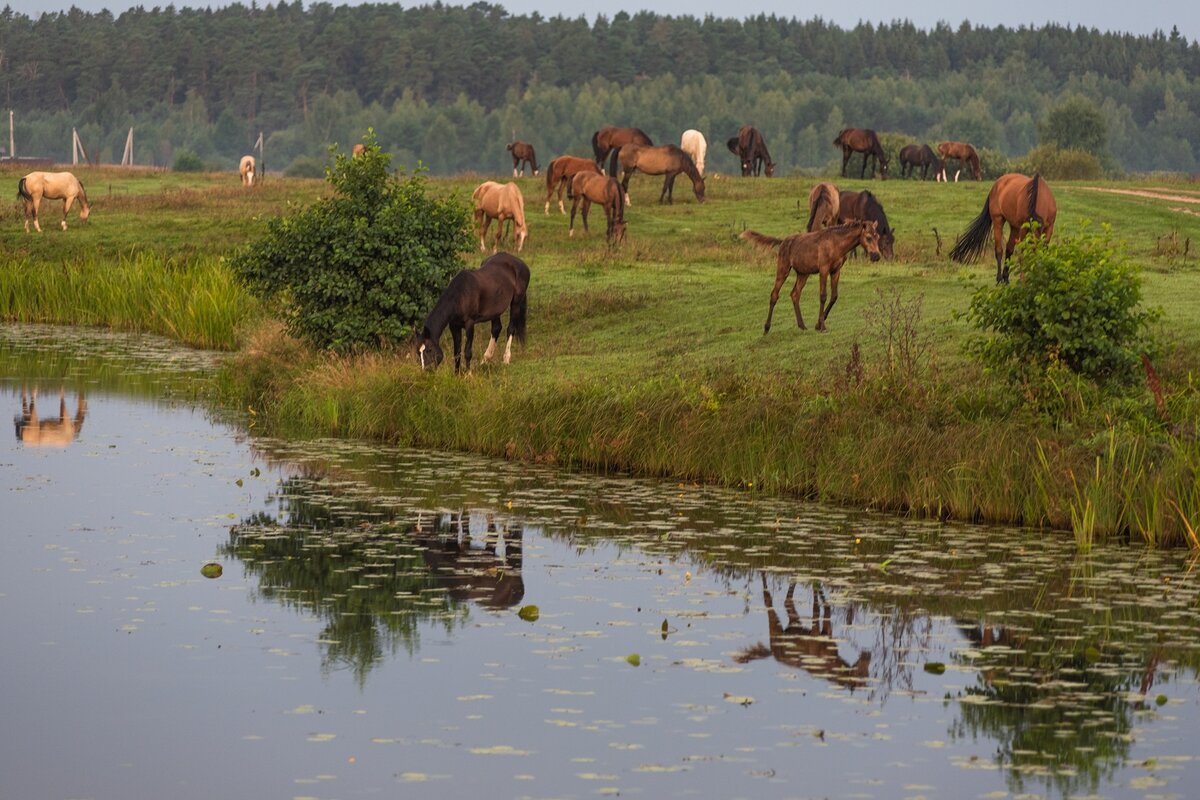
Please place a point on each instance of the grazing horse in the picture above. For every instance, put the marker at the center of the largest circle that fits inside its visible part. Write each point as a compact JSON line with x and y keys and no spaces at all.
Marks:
{"x":666,"y":160}
{"x":52,"y":186}
{"x":607,"y":139}
{"x":246,"y":170}
{"x":966,"y":156}
{"x":591,"y":187}
{"x":865,"y":141}
{"x":1018,"y":200}
{"x":477,"y":295}
{"x":694,"y":144}
{"x":522,"y":154}
{"x":821,"y":252}
{"x":823,"y":203}
{"x":919,"y":155}
{"x":34,"y":431}
{"x":751,"y":149}
{"x":559,"y":173}
{"x":863,"y":205}
{"x":500,"y":202}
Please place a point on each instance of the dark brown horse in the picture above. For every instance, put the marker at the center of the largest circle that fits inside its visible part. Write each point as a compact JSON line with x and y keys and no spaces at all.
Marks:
{"x":591,"y":187}
{"x":823,"y":203}
{"x":751,"y":149}
{"x":863,"y":205}
{"x":819,"y":253}
{"x":522,"y":154}
{"x":668,"y":160}
{"x":1018,"y":200}
{"x":919,"y":155}
{"x":865,"y":141}
{"x":966,"y":156}
{"x":477,"y":295}
{"x":607,"y":139}
{"x":559,"y":173}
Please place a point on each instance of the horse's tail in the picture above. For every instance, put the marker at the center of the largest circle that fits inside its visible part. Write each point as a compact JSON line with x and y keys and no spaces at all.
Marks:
{"x":614,"y":162}
{"x":23,"y":191}
{"x":516,"y":311}
{"x":620,"y":201}
{"x":550,"y":176}
{"x":760,"y":239}
{"x":971,"y":243}
{"x":1033,"y":197}
{"x":509,"y":146}
{"x":599,"y":153}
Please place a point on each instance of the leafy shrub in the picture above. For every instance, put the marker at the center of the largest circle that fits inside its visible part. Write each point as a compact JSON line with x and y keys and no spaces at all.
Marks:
{"x":993,"y":163}
{"x":187,"y":161}
{"x":1074,"y":303}
{"x":362,"y":267}
{"x":306,"y":167}
{"x":1058,"y":164}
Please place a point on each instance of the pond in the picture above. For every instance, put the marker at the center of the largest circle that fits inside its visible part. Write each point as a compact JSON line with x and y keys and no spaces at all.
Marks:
{"x":391,"y":622}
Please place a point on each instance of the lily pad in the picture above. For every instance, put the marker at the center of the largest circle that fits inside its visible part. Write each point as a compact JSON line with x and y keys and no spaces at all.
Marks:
{"x":935,"y":667}
{"x":212,"y":570}
{"x":634,"y":659}
{"x":529,"y":613}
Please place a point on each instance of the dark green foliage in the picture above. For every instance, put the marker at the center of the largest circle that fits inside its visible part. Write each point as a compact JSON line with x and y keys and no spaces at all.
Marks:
{"x":1053,"y":163}
{"x":364,"y":266}
{"x":1075,"y":124}
{"x":187,"y":161}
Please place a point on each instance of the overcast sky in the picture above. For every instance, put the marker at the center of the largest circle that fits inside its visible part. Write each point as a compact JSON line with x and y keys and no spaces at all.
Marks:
{"x":1110,"y":15}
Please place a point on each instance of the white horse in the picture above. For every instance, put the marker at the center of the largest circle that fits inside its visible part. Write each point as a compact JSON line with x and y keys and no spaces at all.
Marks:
{"x":52,"y":186}
{"x":694,"y":145}
{"x":246,"y":169}
{"x":500,"y":202}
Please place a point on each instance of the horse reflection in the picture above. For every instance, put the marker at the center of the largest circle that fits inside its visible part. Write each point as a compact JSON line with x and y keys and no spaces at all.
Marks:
{"x":60,"y":431}
{"x":808,"y":646}
{"x":489,"y":575}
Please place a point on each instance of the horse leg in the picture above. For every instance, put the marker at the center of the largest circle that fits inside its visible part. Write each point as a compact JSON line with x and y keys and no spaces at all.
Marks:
{"x":483,"y":221}
{"x":862,"y":173}
{"x":456,"y":334}
{"x":507,"y":344}
{"x":625,"y":187}
{"x":780,"y":276}
{"x":515,"y":162}
{"x":1014,"y":236}
{"x":37,"y":205}
{"x":833,"y":287}
{"x":66,"y":207}
{"x":470,"y":344}
{"x":802,"y":279}
{"x":846,"y":152}
{"x":574,"y":205}
{"x":491,"y":348}
{"x":668,"y":189}
{"x":997,"y":238}
{"x":587,"y":206}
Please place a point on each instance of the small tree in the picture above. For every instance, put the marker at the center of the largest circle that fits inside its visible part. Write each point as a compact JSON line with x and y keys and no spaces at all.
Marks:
{"x":1076,"y":124}
{"x":361,"y":267}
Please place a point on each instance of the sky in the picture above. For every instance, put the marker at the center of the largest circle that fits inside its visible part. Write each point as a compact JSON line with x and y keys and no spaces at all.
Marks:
{"x":1108,"y":15}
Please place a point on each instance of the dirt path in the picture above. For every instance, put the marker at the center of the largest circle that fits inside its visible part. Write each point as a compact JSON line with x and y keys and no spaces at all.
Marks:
{"x":1153,"y":194}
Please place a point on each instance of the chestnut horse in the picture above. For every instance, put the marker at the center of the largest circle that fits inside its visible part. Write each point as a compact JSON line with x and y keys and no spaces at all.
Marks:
{"x":607,"y":139}
{"x":591,"y":187}
{"x":60,"y":431}
{"x":823,"y":203}
{"x":1018,"y":200}
{"x":522,"y":154}
{"x":865,"y":141}
{"x":751,"y":149}
{"x":559,"y":173}
{"x":819,"y":253}
{"x":863,"y":205}
{"x":500,"y":202}
{"x":694,"y":144}
{"x":52,"y":186}
{"x":246,"y":170}
{"x":919,"y":155}
{"x":666,"y":160}
{"x":966,"y":156}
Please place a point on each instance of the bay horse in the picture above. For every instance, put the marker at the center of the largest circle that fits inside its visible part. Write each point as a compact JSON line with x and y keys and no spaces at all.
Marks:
{"x":36,"y":186}
{"x":695,"y":145}
{"x":865,"y":141}
{"x":966,"y":156}
{"x":607,"y":139}
{"x":819,"y":253}
{"x":751,"y":149}
{"x":246,"y":170}
{"x":559,"y":173}
{"x":666,"y":160}
{"x":864,"y":205}
{"x":591,"y":187}
{"x":1018,"y":200}
{"x":522,"y":154}
{"x":823,"y":203}
{"x":919,"y":155}
{"x":500,"y":202}
{"x":477,"y":295}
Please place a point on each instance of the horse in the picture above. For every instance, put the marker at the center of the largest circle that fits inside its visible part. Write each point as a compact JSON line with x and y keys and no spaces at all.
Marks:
{"x":693,"y":143}
{"x":358,"y":150}
{"x":246,"y":170}
{"x":863,"y":205}
{"x":666,"y":160}
{"x":522,"y":154}
{"x":52,"y":186}
{"x":1018,"y":200}
{"x":751,"y":150}
{"x":477,"y":295}
{"x":489,"y":575}
{"x":559,"y":173}
{"x":966,"y":156}
{"x":590,"y":187}
{"x":500,"y":202}
{"x":919,"y":155}
{"x":607,"y":139}
{"x":823,"y":203}
{"x":821,"y":252}
{"x":865,"y":141}
{"x":33,"y":431}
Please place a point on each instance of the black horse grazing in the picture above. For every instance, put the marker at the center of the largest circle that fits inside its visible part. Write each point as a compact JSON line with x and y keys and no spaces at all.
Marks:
{"x":751,"y":149}
{"x":864,"y":206}
{"x":477,"y":295}
{"x":919,"y":155}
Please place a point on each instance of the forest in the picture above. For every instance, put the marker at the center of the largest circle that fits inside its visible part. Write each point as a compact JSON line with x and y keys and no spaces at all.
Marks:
{"x":449,"y":86}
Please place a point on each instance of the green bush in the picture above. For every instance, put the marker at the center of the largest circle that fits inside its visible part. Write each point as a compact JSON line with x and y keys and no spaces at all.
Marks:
{"x":187,"y":161}
{"x":993,"y":163}
{"x":306,"y":167}
{"x":1073,"y":303}
{"x":1070,"y":165}
{"x":364,"y":266}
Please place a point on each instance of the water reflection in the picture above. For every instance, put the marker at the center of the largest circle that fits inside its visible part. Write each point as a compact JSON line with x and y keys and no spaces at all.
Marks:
{"x":37,"y":431}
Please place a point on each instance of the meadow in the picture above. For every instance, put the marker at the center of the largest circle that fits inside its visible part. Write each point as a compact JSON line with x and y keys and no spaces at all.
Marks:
{"x":650,"y":357}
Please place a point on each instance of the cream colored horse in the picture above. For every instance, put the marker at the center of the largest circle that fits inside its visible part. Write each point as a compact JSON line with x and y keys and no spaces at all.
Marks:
{"x":693,"y":143}
{"x":51,"y":186}
{"x":33,"y":431}
{"x":246,"y":169}
{"x":500,"y":202}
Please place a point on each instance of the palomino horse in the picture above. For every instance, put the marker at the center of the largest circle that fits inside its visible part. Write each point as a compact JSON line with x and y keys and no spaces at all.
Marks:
{"x":500,"y":202}
{"x":358,"y":150}
{"x":559,"y":173}
{"x":821,"y":252}
{"x":919,"y":155}
{"x":52,"y":186}
{"x":695,"y":145}
{"x":607,"y":139}
{"x":34,"y":431}
{"x":751,"y":149}
{"x":477,"y":295}
{"x":865,"y":141}
{"x":522,"y":154}
{"x":666,"y":160}
{"x":590,"y":187}
{"x":823,"y":203}
{"x":966,"y":156}
{"x":1018,"y":200}
{"x":863,"y":205}
{"x":246,"y":170}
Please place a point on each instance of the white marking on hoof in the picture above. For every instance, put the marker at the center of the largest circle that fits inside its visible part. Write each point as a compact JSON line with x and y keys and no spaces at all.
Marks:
{"x":508,"y":350}
{"x":571,"y":233}
{"x":491,"y":349}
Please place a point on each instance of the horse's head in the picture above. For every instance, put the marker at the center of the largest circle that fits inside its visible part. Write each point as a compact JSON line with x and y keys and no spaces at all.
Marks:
{"x":428,"y":352}
{"x":770,"y":169}
{"x":883,"y":168}
{"x":618,"y":234}
{"x":698,"y":188}
{"x":868,"y":237}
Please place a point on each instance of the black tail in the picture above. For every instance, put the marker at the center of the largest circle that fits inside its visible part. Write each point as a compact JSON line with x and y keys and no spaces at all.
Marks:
{"x":597,"y":151}
{"x":516,"y":317}
{"x":22,"y":192}
{"x":613,"y":162}
{"x":968,"y":246}
{"x":1033,"y":193}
